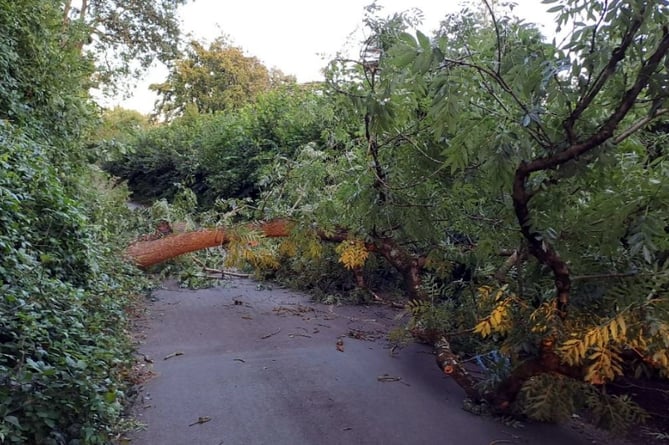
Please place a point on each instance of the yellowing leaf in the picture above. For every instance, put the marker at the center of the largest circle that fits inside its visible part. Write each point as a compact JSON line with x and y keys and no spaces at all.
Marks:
{"x":622,"y":325}
{"x":352,"y":253}
{"x":483,"y":328}
{"x":484,"y":291}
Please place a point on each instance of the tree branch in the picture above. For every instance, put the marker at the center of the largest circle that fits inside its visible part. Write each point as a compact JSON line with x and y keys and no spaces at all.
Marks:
{"x":606,"y":130}
{"x":66,"y":12}
{"x":604,"y":276}
{"x":638,"y":125}
{"x":499,"y":40}
{"x":617,"y":55}
{"x":539,"y":248}
{"x":83,"y":11}
{"x":542,"y":137}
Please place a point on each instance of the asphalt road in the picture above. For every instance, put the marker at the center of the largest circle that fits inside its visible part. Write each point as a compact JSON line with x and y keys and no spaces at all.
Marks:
{"x":261,"y":366}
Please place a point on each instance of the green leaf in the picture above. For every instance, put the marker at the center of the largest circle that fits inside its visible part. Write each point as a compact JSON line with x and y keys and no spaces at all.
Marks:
{"x":424,"y":41}
{"x":13,"y":420}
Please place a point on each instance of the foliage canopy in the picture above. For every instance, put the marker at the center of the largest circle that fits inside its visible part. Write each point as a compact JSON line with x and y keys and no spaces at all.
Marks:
{"x":123,"y":37}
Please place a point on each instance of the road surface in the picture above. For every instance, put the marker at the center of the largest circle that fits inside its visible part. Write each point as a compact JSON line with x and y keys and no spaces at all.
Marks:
{"x":242,"y":364}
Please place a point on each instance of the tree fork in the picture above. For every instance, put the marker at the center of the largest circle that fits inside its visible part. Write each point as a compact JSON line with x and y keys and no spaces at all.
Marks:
{"x":539,"y":248}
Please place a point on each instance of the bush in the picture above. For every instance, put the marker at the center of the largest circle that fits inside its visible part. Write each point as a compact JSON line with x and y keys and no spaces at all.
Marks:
{"x":63,"y":348}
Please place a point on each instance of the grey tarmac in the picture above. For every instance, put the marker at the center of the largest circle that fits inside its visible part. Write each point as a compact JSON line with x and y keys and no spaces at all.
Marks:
{"x":244,"y":364}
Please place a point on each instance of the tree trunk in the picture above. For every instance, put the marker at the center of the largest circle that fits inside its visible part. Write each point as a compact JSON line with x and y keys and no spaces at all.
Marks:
{"x":150,"y":252}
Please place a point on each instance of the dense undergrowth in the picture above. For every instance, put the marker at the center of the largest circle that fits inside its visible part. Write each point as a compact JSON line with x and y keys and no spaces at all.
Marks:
{"x":221,"y":155}
{"x":65,"y":350}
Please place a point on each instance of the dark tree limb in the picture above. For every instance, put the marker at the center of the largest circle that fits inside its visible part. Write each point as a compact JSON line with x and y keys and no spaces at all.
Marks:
{"x":603,"y":76}
{"x":449,"y":363}
{"x":539,"y":247}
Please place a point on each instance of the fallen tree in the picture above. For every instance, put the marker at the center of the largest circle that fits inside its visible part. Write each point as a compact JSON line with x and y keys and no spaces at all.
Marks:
{"x":524,"y":158}
{"x":149,"y":251}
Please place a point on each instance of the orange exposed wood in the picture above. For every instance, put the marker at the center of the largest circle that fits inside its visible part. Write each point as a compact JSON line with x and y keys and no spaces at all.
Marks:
{"x":150,"y":252}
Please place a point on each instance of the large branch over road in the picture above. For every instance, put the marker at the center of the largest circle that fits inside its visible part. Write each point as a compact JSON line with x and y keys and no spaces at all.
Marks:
{"x":149,"y":252}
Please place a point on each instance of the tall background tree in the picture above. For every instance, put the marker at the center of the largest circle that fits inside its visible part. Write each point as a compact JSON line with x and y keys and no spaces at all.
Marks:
{"x":219,"y":77}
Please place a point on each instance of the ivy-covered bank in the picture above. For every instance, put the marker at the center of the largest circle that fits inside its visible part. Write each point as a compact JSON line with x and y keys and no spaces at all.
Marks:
{"x":65,"y":354}
{"x":64,"y":349}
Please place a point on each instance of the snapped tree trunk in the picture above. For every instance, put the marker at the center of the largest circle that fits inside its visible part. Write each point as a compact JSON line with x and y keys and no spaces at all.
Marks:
{"x":155,"y":251}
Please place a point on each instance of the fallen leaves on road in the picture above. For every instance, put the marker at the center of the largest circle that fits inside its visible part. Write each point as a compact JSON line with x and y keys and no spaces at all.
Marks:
{"x":203,"y":419}
{"x":174,"y":354}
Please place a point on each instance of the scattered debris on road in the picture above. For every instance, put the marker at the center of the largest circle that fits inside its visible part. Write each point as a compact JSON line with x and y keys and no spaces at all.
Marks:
{"x":200,"y":420}
{"x":174,"y":354}
{"x":270,"y":334}
{"x":389,"y":378}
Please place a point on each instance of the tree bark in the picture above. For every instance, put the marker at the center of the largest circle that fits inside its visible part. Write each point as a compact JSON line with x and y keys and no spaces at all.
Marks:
{"x":449,"y":363}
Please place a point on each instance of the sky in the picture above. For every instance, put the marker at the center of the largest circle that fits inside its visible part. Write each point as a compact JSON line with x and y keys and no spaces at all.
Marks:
{"x":296,"y":36}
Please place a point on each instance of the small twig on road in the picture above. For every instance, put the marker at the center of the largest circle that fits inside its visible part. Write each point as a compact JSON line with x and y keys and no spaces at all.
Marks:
{"x":389,"y":378}
{"x":235,"y":274}
{"x":220,"y":271}
{"x":269,"y":335}
{"x":239,"y":360}
{"x":291,"y":335}
{"x":203,"y":419}
{"x":174,"y":354}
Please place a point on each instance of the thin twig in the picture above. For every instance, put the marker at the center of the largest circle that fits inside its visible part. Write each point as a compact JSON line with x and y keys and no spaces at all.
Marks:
{"x":603,"y":276}
{"x":270,"y":335}
{"x":638,"y":125}
{"x":499,"y":40}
